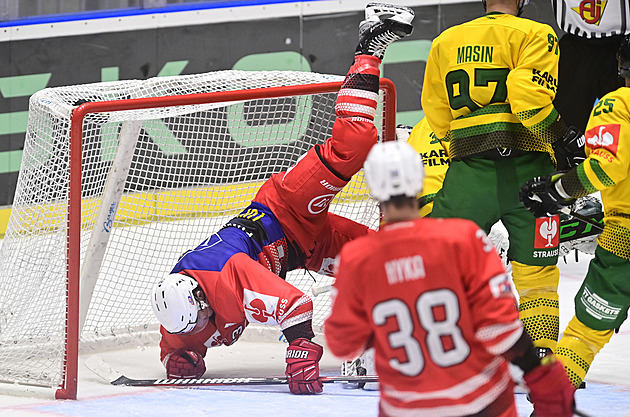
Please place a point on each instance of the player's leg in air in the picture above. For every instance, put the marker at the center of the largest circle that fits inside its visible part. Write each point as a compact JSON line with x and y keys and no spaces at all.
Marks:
{"x":300,"y":197}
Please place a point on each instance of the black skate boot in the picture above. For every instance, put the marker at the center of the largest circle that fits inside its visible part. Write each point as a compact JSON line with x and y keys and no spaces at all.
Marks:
{"x":383,"y":24}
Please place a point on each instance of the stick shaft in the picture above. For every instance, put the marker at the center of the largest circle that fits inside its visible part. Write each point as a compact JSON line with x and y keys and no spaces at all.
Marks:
{"x":208,"y":382}
{"x":584,"y":219}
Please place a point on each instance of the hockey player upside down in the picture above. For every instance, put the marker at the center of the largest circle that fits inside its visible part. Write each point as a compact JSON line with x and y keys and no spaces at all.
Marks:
{"x":235,"y":277}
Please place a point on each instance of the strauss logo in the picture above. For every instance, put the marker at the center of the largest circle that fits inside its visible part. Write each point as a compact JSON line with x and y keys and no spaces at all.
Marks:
{"x":602,"y":139}
{"x":258,"y":310}
{"x":548,"y":230}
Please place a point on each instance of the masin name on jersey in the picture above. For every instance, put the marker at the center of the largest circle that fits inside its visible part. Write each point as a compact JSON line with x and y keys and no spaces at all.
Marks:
{"x":474,"y":53}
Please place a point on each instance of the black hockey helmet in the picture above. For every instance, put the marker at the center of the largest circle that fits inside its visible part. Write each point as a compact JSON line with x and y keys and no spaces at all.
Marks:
{"x":521,"y":4}
{"x":623,"y":58}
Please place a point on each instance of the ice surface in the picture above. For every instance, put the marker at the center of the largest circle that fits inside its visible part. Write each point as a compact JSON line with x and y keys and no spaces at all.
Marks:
{"x":607,"y":393}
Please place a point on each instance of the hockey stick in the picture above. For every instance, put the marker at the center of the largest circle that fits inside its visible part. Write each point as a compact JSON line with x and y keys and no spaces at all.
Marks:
{"x":101,"y":368}
{"x":596,"y":225}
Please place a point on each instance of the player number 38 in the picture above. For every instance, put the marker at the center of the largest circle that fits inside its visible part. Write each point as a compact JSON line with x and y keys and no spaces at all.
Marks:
{"x":436,"y":329}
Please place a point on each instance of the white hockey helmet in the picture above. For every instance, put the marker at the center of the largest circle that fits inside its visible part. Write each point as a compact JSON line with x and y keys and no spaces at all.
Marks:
{"x":175,"y":305}
{"x":393,"y":169}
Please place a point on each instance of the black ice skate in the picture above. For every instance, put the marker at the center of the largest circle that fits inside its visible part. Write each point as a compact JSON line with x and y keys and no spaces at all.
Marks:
{"x":383,"y":24}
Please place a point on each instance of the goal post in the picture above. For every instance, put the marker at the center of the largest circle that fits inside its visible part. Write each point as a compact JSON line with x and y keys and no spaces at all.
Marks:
{"x":119,"y":178}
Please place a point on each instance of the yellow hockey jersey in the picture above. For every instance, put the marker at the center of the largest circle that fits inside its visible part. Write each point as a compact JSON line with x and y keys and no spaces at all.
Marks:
{"x":490,"y":83}
{"x":607,"y":168}
{"x":435,"y":160}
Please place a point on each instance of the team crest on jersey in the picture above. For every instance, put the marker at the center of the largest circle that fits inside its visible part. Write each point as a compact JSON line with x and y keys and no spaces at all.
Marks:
{"x":215,"y":340}
{"x":259,"y":308}
{"x":591,"y":11}
{"x":547,"y":237}
{"x":604,"y":136}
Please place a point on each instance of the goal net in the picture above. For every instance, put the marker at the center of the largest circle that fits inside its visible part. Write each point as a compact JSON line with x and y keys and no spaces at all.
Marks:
{"x":118,"y":179}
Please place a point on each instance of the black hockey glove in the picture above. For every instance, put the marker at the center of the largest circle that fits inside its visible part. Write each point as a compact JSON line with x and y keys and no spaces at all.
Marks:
{"x":539,"y":195}
{"x":569,"y":150}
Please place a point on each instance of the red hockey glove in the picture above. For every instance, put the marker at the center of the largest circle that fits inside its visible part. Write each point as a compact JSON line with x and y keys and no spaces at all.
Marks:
{"x":184,"y":364}
{"x":550,"y":389}
{"x":303,"y":366}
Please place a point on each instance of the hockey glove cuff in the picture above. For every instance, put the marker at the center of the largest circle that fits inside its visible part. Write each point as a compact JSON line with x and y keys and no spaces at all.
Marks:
{"x":569,"y":151}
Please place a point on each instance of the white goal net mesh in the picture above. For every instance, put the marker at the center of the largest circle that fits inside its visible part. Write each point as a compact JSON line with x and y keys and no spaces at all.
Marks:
{"x":191,"y":167}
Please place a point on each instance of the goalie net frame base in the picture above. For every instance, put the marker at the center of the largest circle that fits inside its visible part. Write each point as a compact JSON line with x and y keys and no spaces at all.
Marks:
{"x":68,"y":389}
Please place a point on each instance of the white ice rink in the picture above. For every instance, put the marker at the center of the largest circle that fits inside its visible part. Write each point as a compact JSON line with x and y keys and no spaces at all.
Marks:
{"x":607,"y":393}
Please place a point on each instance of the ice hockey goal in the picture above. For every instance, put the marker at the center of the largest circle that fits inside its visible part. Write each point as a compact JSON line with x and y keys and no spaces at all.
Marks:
{"x":119,"y":178}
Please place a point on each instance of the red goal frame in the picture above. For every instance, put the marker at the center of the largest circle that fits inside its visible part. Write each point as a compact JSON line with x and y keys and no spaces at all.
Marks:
{"x":68,"y":388}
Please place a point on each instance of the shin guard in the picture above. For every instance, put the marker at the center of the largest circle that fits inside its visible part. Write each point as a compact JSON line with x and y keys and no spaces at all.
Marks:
{"x":537,"y":287}
{"x":578,"y":347}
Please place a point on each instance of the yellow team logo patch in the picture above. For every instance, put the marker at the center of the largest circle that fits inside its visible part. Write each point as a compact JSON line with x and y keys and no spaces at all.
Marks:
{"x":591,"y":11}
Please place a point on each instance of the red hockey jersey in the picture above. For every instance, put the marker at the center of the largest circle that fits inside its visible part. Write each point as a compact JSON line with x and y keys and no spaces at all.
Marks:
{"x":239,"y":267}
{"x":433,"y":298}
{"x":242,"y":292}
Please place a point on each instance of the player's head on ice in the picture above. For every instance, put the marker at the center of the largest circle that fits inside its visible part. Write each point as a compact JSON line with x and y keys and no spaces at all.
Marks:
{"x":180,"y":304}
{"x":393,"y":170}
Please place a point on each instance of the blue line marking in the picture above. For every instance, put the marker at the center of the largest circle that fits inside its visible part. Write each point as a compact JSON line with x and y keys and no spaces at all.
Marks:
{"x":80,"y":16}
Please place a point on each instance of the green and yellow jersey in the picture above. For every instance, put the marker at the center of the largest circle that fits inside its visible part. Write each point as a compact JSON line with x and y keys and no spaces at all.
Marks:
{"x":435,"y":160}
{"x":490,"y":83}
{"x":606,"y":169}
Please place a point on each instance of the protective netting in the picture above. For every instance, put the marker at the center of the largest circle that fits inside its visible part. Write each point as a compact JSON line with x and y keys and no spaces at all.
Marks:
{"x":189,"y":168}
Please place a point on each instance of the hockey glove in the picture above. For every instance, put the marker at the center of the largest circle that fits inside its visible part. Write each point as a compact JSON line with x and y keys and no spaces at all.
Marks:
{"x":550,"y":389}
{"x":303,"y":366}
{"x":540,"y":196}
{"x":184,"y":364}
{"x":569,"y":150}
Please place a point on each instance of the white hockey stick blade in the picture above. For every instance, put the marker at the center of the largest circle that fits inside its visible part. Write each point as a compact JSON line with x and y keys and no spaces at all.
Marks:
{"x":101,"y":368}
